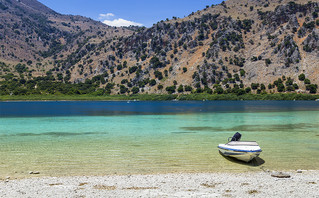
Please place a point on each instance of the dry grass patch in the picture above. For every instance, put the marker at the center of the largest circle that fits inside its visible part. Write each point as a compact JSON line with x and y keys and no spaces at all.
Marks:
{"x":141,"y":188}
{"x":81,"y":196}
{"x":57,"y":184}
{"x":251,"y":192}
{"x":103,"y":187}
{"x":212,"y":185}
{"x":245,"y":184}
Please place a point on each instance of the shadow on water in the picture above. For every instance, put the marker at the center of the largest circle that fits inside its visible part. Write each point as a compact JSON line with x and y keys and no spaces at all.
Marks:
{"x":183,"y":132}
{"x":56,"y":134}
{"x":255,"y":162}
{"x":270,"y":128}
{"x":202,"y":128}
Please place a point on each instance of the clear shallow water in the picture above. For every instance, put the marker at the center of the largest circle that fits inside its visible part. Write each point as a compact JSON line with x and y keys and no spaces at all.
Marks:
{"x":96,"y":138}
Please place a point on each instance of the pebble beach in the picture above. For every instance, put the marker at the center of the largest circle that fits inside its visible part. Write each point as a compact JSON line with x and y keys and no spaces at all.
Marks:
{"x":246,"y":184}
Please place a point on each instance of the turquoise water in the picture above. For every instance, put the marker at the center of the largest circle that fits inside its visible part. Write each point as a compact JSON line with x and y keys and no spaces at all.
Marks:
{"x":125,"y":139}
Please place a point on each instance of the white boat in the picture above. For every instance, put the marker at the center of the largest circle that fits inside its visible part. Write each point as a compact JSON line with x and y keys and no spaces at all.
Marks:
{"x":241,"y":150}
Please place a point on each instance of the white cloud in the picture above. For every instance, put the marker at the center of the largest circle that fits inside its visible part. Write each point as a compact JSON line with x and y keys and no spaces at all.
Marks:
{"x":108,"y":19}
{"x":106,"y":16}
{"x":121,"y":22}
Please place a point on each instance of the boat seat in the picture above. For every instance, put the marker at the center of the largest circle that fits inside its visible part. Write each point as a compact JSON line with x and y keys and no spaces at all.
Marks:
{"x":238,"y":143}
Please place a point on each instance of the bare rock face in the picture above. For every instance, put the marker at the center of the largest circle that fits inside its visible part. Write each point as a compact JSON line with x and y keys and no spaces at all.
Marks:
{"x":311,"y":43}
{"x":293,"y":22}
{"x":289,"y":50}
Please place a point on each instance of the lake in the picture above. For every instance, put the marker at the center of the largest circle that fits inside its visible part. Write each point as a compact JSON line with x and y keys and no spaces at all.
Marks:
{"x":132,"y":137}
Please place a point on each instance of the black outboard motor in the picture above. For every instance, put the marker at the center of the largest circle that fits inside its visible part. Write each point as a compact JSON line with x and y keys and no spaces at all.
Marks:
{"x":236,"y":137}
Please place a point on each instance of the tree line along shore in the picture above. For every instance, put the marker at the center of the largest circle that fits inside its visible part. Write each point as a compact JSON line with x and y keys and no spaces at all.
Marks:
{"x":159,"y":97}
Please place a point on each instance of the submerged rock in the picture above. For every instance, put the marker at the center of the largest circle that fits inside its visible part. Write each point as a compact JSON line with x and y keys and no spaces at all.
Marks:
{"x":280,"y":175}
{"x":34,"y":173}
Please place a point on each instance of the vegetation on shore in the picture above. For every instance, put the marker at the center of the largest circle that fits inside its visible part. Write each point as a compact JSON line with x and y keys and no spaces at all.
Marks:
{"x":98,"y":89}
{"x":48,"y":86}
{"x":157,"y":97}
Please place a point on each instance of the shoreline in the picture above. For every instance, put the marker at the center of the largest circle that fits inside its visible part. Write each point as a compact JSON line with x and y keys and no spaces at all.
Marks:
{"x":161,"y":97}
{"x":222,"y":184}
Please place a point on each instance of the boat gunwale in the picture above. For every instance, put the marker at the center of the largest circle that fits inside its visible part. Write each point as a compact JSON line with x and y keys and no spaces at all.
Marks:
{"x":242,"y":143}
{"x":245,"y":151}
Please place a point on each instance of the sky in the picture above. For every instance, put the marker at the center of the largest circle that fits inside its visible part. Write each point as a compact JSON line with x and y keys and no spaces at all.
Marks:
{"x":128,"y":12}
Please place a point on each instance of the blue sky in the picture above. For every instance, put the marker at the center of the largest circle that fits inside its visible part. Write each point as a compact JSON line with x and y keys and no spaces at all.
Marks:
{"x":126,"y":12}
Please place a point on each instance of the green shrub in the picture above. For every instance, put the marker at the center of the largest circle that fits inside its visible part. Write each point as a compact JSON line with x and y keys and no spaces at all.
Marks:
{"x":123,"y":89}
{"x":133,"y":69}
{"x":158,"y":75}
{"x":180,"y":89}
{"x":301,"y":77}
{"x":312,"y":88}
{"x":268,"y":61}
{"x":254,"y":86}
{"x":135,"y":90}
{"x":152,"y":82}
{"x":219,"y":90}
{"x":307,"y":81}
{"x":280,"y":87}
{"x":188,"y":88}
{"x":171,"y":89}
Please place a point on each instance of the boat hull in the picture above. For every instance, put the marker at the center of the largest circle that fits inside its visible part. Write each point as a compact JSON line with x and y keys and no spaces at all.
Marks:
{"x":244,"y":151}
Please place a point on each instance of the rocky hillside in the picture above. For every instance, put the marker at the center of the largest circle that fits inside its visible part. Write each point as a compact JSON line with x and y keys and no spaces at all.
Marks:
{"x":239,"y":46}
{"x":33,"y":34}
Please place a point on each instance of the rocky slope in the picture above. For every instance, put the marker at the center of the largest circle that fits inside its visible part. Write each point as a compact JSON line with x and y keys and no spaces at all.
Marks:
{"x":33,"y":34}
{"x":235,"y":47}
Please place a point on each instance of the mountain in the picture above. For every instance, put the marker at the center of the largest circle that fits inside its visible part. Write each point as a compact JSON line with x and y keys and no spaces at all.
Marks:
{"x":239,"y":46}
{"x":31,"y":33}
